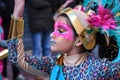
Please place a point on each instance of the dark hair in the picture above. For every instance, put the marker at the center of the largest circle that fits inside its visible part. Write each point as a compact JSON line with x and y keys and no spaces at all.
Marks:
{"x":107,"y":51}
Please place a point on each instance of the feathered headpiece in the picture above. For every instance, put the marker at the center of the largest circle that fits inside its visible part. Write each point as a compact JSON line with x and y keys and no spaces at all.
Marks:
{"x":106,"y":17}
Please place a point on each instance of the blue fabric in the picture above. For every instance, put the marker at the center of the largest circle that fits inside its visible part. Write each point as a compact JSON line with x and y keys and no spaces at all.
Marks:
{"x":57,"y":73}
{"x":0,"y":77}
{"x":41,"y":43}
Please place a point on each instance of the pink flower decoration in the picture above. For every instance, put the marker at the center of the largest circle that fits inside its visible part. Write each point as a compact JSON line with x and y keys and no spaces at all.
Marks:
{"x":104,"y":19}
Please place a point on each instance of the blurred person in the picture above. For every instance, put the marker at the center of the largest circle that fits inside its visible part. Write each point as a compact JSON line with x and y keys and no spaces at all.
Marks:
{"x":40,"y":25}
{"x":5,"y":14}
{"x":2,"y":7}
{"x":1,"y":38}
{"x":63,"y":4}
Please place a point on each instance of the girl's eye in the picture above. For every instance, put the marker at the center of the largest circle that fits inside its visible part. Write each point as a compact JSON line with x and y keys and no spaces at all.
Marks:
{"x":61,"y":30}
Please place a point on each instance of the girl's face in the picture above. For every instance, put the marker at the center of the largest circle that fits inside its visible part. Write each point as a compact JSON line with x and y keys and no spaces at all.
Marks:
{"x":62,"y":38}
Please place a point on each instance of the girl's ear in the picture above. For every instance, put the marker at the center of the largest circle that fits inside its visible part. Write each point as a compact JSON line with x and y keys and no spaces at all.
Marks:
{"x":78,"y":42}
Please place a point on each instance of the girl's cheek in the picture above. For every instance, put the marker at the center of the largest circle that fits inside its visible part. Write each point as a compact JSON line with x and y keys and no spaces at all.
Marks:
{"x":66,"y":35}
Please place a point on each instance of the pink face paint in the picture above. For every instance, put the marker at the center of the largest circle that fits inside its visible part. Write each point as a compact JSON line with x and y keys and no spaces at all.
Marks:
{"x":63,"y":30}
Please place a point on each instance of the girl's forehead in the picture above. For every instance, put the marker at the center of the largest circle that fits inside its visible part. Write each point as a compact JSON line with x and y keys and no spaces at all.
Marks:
{"x":61,"y":19}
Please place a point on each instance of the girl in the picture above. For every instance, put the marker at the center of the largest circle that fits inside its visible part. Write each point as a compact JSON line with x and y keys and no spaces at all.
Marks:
{"x":75,"y":35}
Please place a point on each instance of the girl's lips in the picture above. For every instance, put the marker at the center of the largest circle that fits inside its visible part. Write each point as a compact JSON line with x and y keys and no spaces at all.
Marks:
{"x":52,"y":42}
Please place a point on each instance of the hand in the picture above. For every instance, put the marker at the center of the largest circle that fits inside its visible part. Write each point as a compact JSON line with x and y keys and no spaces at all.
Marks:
{"x":67,"y":3}
{"x":18,"y":8}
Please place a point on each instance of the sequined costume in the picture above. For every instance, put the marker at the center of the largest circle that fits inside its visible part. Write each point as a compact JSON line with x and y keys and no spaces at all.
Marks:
{"x":92,"y":68}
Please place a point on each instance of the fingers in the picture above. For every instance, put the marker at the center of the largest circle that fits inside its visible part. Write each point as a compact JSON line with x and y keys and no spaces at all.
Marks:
{"x":67,"y":3}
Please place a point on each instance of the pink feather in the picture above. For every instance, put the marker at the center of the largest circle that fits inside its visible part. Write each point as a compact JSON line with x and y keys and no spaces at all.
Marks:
{"x":104,"y":18}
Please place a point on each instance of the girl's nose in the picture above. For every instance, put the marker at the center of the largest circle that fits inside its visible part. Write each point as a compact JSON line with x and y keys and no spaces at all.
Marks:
{"x":52,"y":35}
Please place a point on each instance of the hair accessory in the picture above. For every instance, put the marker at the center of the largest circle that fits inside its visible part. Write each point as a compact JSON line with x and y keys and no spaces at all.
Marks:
{"x":81,"y":26}
{"x":106,"y":18}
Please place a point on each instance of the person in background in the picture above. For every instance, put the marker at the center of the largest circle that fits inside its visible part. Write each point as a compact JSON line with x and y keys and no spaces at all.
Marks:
{"x":2,"y":7}
{"x":40,"y":25}
{"x":5,"y":14}
{"x":75,"y":35}
{"x":1,"y":38}
{"x":63,"y":4}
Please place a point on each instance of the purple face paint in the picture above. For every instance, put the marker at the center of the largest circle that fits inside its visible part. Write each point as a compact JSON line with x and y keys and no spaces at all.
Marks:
{"x":63,"y":30}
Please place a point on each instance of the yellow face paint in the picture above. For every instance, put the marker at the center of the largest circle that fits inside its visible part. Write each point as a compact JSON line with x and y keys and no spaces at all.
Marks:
{"x":63,"y":30}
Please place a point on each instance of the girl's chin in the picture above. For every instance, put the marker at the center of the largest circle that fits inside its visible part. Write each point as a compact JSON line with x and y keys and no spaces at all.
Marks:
{"x":53,"y":50}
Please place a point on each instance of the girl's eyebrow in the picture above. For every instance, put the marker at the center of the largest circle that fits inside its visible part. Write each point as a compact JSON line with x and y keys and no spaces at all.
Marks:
{"x":62,"y":25}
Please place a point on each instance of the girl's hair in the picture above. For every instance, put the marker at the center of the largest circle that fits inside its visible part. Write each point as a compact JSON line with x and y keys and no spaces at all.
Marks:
{"x":69,"y":22}
{"x":109,"y":51}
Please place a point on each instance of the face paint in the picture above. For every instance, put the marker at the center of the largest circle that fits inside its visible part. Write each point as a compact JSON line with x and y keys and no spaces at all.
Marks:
{"x":63,"y":30}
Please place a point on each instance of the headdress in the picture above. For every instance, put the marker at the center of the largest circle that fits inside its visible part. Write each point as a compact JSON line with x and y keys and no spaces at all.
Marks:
{"x":96,"y":16}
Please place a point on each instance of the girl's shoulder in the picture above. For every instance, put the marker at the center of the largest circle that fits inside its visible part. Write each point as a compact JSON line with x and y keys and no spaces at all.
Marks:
{"x":101,"y":63}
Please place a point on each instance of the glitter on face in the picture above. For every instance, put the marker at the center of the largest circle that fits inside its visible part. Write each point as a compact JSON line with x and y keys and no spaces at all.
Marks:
{"x":63,"y":30}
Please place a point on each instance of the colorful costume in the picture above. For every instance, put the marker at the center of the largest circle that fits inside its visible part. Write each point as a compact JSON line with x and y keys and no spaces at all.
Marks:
{"x":102,"y":69}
